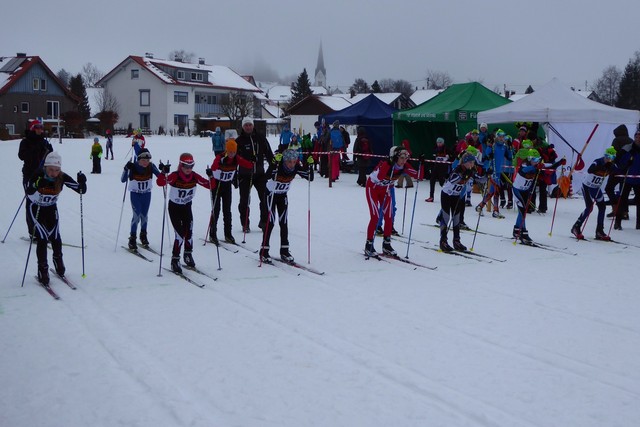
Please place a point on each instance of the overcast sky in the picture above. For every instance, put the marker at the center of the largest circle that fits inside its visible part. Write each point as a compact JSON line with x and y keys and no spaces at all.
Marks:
{"x":497,"y":42}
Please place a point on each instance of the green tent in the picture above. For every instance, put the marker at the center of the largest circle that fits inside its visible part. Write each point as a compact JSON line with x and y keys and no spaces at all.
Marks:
{"x":450,"y":114}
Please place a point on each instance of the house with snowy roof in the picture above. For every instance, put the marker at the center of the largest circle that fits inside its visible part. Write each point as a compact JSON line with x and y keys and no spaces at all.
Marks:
{"x":156,"y":94}
{"x":29,"y":90}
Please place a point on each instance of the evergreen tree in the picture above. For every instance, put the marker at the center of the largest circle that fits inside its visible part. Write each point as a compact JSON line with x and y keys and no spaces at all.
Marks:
{"x":359,"y":86}
{"x":375,"y":87}
{"x":301,"y":88}
{"x":64,"y":76}
{"x":76,"y":86}
{"x":629,"y":90}
{"x":529,"y":90}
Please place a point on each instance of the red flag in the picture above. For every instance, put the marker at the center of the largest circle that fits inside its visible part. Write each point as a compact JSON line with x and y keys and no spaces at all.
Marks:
{"x":579,"y":163}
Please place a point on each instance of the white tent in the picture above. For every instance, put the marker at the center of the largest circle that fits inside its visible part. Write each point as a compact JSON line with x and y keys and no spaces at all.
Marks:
{"x":572,"y":116}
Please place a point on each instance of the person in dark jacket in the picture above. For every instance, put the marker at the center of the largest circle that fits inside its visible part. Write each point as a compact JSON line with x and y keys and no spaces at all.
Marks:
{"x":33,"y":150}
{"x":255,"y":148}
{"x":440,"y":169}
{"x":622,"y":143}
{"x":362,"y":149}
{"x":629,"y":168}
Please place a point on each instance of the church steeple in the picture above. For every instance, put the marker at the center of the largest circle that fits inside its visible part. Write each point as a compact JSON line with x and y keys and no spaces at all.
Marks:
{"x":321,"y":72}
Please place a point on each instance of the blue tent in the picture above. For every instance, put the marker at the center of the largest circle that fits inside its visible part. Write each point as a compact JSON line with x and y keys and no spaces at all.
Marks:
{"x":372,"y":114}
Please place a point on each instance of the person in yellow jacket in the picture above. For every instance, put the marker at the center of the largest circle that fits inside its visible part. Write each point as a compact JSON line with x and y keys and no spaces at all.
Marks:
{"x":96,"y":155}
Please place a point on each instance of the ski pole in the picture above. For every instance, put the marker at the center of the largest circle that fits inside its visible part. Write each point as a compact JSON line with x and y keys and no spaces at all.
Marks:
{"x":82,"y":233}
{"x":124,"y":196}
{"x":14,"y":217}
{"x":309,"y":217}
{"x":164,"y":215}
{"x":33,"y":233}
{"x":413,"y":210}
{"x":404,"y":207}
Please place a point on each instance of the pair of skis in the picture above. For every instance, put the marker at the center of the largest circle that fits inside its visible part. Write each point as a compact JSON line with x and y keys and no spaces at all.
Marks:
{"x":50,"y":290}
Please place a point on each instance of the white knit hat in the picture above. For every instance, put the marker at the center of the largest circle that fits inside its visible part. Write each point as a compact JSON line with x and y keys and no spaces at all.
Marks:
{"x":53,"y":159}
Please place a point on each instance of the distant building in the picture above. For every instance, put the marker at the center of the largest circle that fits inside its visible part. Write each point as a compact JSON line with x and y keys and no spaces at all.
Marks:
{"x":321,"y":72}
{"x":154,"y":93}
{"x":29,"y":89}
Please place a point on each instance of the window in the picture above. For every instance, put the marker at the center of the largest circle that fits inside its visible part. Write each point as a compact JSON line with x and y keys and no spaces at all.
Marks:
{"x":206,"y":99}
{"x":181,"y":97}
{"x":36,"y":84}
{"x":135,"y":74}
{"x":24,"y":107}
{"x":43,"y":85}
{"x":11,"y":128}
{"x":145,"y":98}
{"x":180,"y":75}
{"x":145,"y":120}
{"x":53,"y":109}
{"x":196,"y":77}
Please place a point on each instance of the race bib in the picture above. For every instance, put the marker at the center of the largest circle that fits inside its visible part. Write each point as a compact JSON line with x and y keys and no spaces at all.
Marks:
{"x":43,"y":199}
{"x":140,"y":186}
{"x":181,"y":196}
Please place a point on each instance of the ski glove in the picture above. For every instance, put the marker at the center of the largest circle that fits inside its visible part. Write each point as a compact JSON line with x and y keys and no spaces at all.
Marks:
{"x":310,"y":160}
{"x":129,"y":166}
{"x":164,"y":168}
{"x":278,"y":157}
{"x":81,"y":178}
{"x":209,"y":172}
{"x":271,"y":185}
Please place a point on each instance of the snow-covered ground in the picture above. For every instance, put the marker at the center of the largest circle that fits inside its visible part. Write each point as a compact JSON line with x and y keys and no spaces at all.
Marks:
{"x":543,"y":339}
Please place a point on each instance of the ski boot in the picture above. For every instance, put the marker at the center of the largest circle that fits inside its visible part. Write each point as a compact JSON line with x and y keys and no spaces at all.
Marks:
{"x":214,"y":239}
{"x":458,"y":246}
{"x":618,"y":224}
{"x":509,"y":204}
{"x":188,"y":259}
{"x":59,"y":265}
{"x":143,"y":238}
{"x":369,"y":250}
{"x":175,"y":265}
{"x":464,"y":226}
{"x":524,"y":238}
{"x":43,"y":274}
{"x":502,"y":203}
{"x":132,"y":242}
{"x":429,"y":200}
{"x":386,"y":247}
{"x":497,"y":214}
{"x":379,"y":231}
{"x":394,"y":232}
{"x":516,"y":232}
{"x":444,"y":246}
{"x":264,"y":255}
{"x":576,"y":231}
{"x":467,"y":203}
{"x":285,"y":255}
{"x":229,"y":239}
{"x":600,"y":235}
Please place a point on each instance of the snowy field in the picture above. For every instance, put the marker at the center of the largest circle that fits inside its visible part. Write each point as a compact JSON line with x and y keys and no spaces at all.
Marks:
{"x":544,"y":339}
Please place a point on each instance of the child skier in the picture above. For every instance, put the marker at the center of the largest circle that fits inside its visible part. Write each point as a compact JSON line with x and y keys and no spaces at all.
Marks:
{"x":43,"y":190}
{"x":183,"y":183}
{"x":109,"y":144}
{"x":96,"y":155}
{"x":140,"y":177}
{"x":597,"y":172}
{"x":524,"y":182}
{"x":282,"y":171}
{"x":452,"y":197}
{"x":222,"y":174}
{"x":496,"y":157}
{"x":378,"y":189}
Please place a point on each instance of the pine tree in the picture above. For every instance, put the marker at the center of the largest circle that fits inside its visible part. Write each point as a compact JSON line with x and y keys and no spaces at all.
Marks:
{"x":301,"y":88}
{"x":375,"y":87}
{"x":76,"y":86}
{"x":629,"y":89}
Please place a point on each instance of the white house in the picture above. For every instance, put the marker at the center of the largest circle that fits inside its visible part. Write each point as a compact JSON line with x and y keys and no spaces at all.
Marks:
{"x":154,"y":93}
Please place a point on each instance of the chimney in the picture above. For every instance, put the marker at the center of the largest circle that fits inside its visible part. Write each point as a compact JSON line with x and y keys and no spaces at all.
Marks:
{"x":201,"y":61}
{"x":177,"y":58}
{"x":148,"y":55}
{"x":21,"y":55}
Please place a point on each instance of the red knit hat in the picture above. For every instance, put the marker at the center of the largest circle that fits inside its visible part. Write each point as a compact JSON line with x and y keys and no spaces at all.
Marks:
{"x":36,"y":124}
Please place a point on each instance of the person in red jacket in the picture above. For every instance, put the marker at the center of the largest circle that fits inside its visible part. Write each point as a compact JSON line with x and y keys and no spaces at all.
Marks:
{"x":378,"y":190}
{"x":183,"y":183}
{"x":222,"y":174}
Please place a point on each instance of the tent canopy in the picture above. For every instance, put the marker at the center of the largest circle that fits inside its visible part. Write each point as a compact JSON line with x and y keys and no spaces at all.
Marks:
{"x":450,"y":114}
{"x":572,"y":116}
{"x":374,"y":115}
{"x":557,"y":103}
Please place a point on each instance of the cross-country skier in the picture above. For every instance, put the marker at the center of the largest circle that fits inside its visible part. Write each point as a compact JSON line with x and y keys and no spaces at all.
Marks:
{"x":378,"y":189}
{"x":592,"y":193}
{"x":182,"y":183}
{"x":281,"y":172}
{"x":222,"y":175}
{"x":140,"y":176}
{"x":43,"y":190}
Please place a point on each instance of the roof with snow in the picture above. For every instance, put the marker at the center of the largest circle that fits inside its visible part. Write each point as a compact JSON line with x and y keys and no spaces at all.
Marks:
{"x":219,"y":76}
{"x":13,"y":68}
{"x":423,"y":95}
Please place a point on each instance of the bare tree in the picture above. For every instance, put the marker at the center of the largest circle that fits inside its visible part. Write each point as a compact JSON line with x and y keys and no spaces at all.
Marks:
{"x":606,"y":87}
{"x":237,"y":105}
{"x":183,"y":55}
{"x":387,"y":85}
{"x":91,"y":74}
{"x":106,"y":101}
{"x":438,"y":79}
{"x":404,"y":87}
